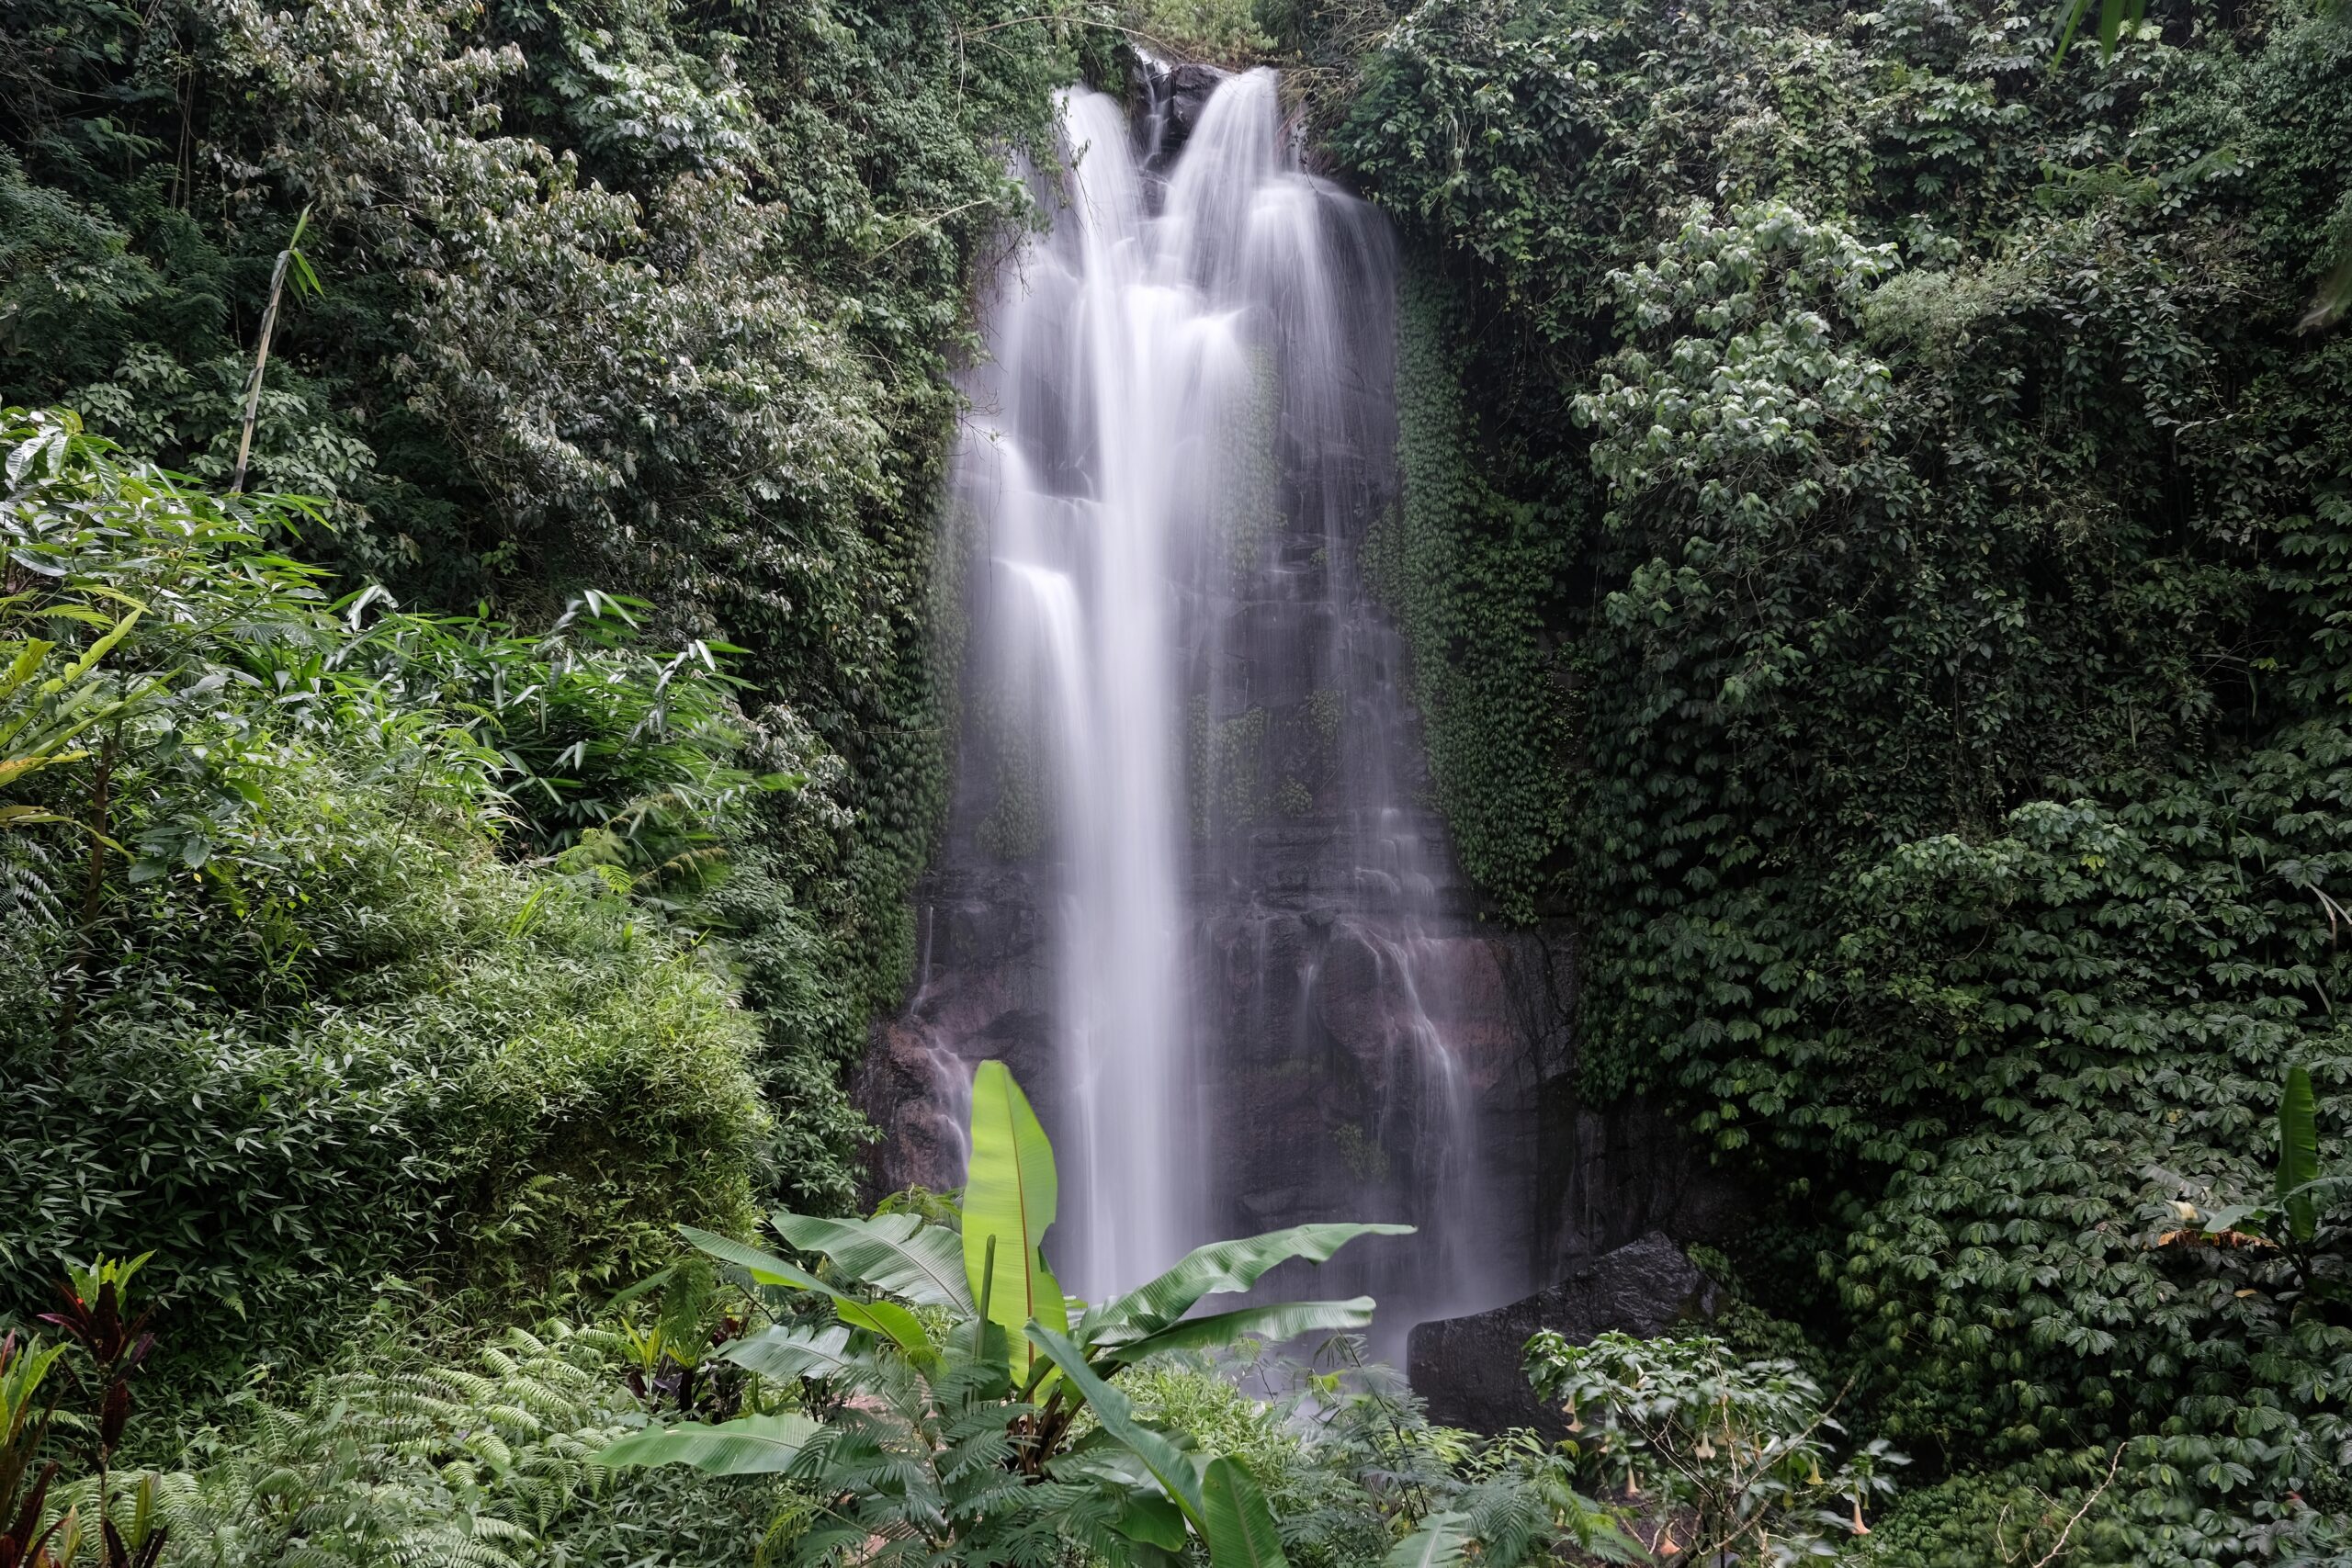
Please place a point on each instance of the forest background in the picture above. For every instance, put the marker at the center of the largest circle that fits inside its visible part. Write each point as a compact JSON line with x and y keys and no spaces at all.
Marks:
{"x":1877,"y":553}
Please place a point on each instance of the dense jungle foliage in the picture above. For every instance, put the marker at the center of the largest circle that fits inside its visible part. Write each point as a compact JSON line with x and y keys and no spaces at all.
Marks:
{"x":1877,"y":552}
{"x":1878,"y":507}
{"x":623,"y":302}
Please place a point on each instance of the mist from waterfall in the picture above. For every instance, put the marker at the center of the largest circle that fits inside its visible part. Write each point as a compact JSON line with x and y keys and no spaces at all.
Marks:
{"x":1179,"y":441}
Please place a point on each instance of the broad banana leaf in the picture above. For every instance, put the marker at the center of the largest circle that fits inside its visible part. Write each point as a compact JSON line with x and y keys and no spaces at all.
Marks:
{"x":1276,"y":1320}
{"x":1441,"y":1543}
{"x":887,"y":1319}
{"x":1240,"y":1526}
{"x":895,"y":1253}
{"x":2298,"y":1155}
{"x":1009,"y":1191}
{"x":1166,"y":1463}
{"x":1219,"y":1267}
{"x":748,"y":1445}
{"x":1151,"y":1520}
{"x":785,"y":1353}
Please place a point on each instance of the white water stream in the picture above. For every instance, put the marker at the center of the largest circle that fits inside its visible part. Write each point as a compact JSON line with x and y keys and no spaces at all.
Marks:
{"x":1174,"y":451}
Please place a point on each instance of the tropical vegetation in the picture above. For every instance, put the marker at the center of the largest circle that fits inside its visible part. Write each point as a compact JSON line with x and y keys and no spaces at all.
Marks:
{"x":1875,"y":549}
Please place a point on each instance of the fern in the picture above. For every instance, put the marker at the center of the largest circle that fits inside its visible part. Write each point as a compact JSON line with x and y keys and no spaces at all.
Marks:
{"x":447,"y":1468}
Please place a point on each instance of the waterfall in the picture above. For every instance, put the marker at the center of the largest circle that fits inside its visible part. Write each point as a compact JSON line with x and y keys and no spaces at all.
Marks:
{"x":1197,"y":899}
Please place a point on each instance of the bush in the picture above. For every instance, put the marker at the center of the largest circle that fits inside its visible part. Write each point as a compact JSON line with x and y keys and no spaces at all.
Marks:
{"x":278,"y":1007}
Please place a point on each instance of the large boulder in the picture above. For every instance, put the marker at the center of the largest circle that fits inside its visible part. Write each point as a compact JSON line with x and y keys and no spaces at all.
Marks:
{"x":1468,"y":1368}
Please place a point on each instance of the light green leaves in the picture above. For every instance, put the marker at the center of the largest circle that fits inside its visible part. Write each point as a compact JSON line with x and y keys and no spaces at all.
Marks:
{"x":887,"y":1319}
{"x":993,"y":1279}
{"x":1275,"y":1320}
{"x":1240,"y":1531}
{"x":1220,"y":1267}
{"x":783,"y":1355}
{"x":1010,"y":1192}
{"x":1438,"y":1543}
{"x":893,"y":1253}
{"x":750,"y":1445}
{"x":1160,"y":1457}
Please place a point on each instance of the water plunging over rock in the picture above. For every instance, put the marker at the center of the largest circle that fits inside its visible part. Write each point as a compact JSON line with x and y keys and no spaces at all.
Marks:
{"x":1191,"y":892}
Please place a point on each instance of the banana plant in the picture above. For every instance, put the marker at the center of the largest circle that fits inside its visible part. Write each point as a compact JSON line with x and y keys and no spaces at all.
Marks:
{"x":948,"y":1396}
{"x":2292,"y":1218}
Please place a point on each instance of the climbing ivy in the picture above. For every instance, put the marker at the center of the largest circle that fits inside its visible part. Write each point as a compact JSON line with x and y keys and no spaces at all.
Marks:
{"x":1468,"y":573}
{"x":1925,"y":469}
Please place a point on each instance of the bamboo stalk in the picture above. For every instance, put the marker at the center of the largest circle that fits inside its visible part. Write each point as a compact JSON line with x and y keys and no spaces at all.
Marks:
{"x":261,"y":358}
{"x":304,"y":278}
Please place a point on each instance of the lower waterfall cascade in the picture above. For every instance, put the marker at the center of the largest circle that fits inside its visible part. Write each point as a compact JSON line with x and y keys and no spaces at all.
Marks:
{"x":1191,"y":892}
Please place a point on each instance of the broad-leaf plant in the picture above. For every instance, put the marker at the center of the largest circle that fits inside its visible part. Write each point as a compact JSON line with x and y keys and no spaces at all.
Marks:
{"x":956,"y":1401}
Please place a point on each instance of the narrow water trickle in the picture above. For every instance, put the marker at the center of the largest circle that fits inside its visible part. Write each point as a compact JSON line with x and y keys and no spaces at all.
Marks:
{"x":1191,"y":892}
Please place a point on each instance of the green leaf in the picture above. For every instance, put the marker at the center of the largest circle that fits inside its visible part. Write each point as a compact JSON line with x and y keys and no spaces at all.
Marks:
{"x":1009,"y":1191}
{"x":764,"y":1268}
{"x":887,"y":1319}
{"x":1220,"y":1267}
{"x":2076,"y":11}
{"x":896,"y":1253}
{"x":785,"y":1353}
{"x":1151,"y":1520}
{"x":1164,"y":1461}
{"x":2297,"y":1154}
{"x":2229,"y":1219}
{"x":1276,"y":1320}
{"x":1240,"y":1531}
{"x":750,"y":1445}
{"x":1438,"y":1543}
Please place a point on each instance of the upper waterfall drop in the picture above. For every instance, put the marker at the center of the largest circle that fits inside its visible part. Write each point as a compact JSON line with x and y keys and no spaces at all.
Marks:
{"x":1191,"y":891}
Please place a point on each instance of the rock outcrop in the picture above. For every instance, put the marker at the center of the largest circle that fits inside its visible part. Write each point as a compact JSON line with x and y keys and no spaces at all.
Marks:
{"x":1468,"y":1368}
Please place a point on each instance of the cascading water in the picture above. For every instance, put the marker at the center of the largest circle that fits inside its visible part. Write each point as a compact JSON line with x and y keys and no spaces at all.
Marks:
{"x":1190,"y":891}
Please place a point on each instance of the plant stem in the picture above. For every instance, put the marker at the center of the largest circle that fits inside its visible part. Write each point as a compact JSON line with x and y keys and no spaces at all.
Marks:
{"x":261,"y":358}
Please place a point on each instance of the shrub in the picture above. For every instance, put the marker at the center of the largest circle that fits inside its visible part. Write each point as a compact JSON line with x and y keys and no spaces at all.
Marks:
{"x":278,"y":1009}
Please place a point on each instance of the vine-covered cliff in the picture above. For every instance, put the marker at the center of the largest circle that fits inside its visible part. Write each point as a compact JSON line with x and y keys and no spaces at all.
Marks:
{"x":1875,"y":522}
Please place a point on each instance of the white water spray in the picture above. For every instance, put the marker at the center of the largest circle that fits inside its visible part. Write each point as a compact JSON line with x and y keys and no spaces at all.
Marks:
{"x":1173,"y":456}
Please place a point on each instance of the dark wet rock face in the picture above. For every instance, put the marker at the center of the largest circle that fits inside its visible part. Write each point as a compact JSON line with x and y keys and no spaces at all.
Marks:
{"x":1350,"y":1036}
{"x":1172,"y":98}
{"x":1468,"y":1368}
